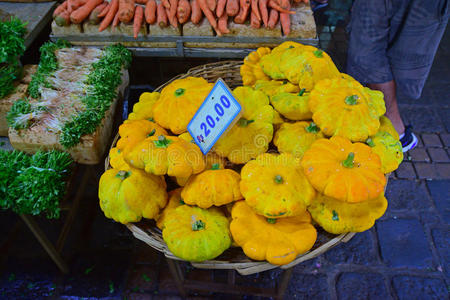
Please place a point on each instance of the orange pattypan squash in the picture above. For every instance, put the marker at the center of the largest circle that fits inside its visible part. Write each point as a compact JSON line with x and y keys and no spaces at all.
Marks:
{"x":343,"y":170}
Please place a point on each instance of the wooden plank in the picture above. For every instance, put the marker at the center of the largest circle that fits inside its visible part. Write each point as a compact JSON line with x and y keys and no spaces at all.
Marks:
{"x":38,"y":15}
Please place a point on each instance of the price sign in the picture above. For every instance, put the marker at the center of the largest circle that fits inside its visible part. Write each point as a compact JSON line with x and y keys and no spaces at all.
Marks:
{"x":215,"y":115}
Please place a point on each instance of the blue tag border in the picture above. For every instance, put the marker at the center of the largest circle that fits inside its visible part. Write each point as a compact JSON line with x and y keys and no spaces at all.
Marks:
{"x":220,"y":82}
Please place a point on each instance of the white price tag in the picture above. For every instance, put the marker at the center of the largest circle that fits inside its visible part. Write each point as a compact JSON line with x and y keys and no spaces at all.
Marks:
{"x":214,"y":116}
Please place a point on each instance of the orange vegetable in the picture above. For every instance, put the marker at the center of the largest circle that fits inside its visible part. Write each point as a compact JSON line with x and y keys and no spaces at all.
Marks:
{"x":109,"y":16}
{"x":93,"y":17}
{"x":81,"y":13}
{"x":161,"y":16}
{"x":223,"y":24}
{"x":232,"y":8}
{"x":273,"y":18}
{"x":63,"y":19}
{"x":285,"y":19}
{"x":60,"y":9}
{"x":172,"y":15}
{"x":208,"y":14}
{"x":126,"y":10}
{"x":72,"y":5}
{"x":150,"y":12}
{"x":243,"y":12}
{"x":255,"y":10}
{"x":254,"y":22}
{"x":183,"y":11}
{"x":138,"y":19}
{"x":264,"y":11}
{"x":141,"y":2}
{"x":277,"y":6}
{"x":166,"y":4}
{"x":116,"y":21}
{"x":69,"y":6}
{"x":212,"y":4}
{"x":196,"y":15}
{"x":105,"y":10}
{"x":220,"y":7}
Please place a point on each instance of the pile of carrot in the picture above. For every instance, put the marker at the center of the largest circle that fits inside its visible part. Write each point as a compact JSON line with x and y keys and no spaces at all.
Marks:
{"x":265,"y":13}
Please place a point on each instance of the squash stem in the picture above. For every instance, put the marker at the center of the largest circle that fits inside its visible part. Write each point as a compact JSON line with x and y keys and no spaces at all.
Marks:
{"x":302,"y":91}
{"x":312,"y":128}
{"x":198,"y":225}
{"x":348,"y":162}
{"x":179,"y":92}
{"x":351,"y":100}
{"x":243,"y":122}
{"x":278,"y":179}
{"x":271,"y":220}
{"x":123,"y":175}
{"x":370,"y":142}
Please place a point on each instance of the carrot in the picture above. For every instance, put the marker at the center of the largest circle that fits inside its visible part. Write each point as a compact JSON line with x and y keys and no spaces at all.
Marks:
{"x":232,"y":8}
{"x":196,"y":12}
{"x":93,"y":17}
{"x":183,"y":11}
{"x":63,"y":19}
{"x":150,"y":12}
{"x":73,"y":5}
{"x":81,"y":13}
{"x":276,"y":6}
{"x":138,"y":19}
{"x":109,"y":16}
{"x":264,"y":11}
{"x":161,"y":16}
{"x":243,"y":12}
{"x":208,"y":13}
{"x":212,"y":4}
{"x":222,"y":24}
{"x":126,"y":10}
{"x":60,"y":9}
{"x":285,"y":19}
{"x":220,"y":8}
{"x":166,"y":4}
{"x":104,"y":11}
{"x":254,"y":22}
{"x":69,"y":6}
{"x":255,"y":10}
{"x":141,"y":1}
{"x":273,"y":18}
{"x":173,"y":11}
{"x":172,"y":21}
{"x":116,"y":21}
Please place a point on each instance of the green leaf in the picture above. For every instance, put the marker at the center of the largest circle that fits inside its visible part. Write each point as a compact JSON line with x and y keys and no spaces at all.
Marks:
{"x":111,"y":287}
{"x":12,"y":43}
{"x":146,"y":278}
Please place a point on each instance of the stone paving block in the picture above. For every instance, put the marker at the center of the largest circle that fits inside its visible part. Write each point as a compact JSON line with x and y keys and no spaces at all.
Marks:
{"x":406,"y":170}
{"x":407,"y":194}
{"x":422,"y":119}
{"x":359,"y":250}
{"x":307,"y":287}
{"x":361,"y":286}
{"x":396,"y":235}
{"x":443,"y":171}
{"x":426,"y":171}
{"x":441,"y":238}
{"x":418,"y":155}
{"x":412,"y":287}
{"x":445,"y":137}
{"x":445,"y":115}
{"x":438,"y":155}
{"x":440,"y":193}
{"x":431,"y":140}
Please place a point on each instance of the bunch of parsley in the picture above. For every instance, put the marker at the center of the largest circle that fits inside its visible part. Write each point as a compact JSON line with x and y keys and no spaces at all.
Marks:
{"x":33,"y":184}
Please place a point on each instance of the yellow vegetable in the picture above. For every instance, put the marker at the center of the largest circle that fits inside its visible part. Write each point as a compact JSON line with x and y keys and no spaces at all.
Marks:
{"x":251,"y":71}
{"x":386,"y":126}
{"x":143,"y":110}
{"x":174,"y":201}
{"x":273,"y":87}
{"x":388,"y":149}
{"x":292,"y":106}
{"x":116,"y":158}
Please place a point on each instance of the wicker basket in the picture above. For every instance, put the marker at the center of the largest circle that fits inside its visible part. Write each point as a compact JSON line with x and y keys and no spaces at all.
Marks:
{"x":233,"y":258}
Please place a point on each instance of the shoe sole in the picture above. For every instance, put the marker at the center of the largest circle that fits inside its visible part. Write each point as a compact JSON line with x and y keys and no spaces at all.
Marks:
{"x":411,"y":145}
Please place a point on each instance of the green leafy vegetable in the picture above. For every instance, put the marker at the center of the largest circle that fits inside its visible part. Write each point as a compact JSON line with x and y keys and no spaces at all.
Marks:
{"x":22,"y":113}
{"x":33,"y":184}
{"x":12,"y":43}
{"x":7,"y":76}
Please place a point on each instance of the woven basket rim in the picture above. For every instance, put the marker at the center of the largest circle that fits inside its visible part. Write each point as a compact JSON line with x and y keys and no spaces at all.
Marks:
{"x":153,"y":238}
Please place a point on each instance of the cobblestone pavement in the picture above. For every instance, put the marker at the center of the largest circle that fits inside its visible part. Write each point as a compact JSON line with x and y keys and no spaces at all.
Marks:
{"x":405,"y":256}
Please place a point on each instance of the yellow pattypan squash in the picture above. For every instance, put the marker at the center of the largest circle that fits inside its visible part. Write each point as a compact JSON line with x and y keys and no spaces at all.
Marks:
{"x":278,"y":241}
{"x":169,"y":155}
{"x":388,"y":149}
{"x":270,"y":64}
{"x":134,"y":131}
{"x":273,"y":87}
{"x":345,"y":108}
{"x":212,"y":187}
{"x":342,"y":170}
{"x":127,"y":195}
{"x":251,"y":70}
{"x":277,"y":118}
{"x":196,"y":234}
{"x":179,"y":101}
{"x":306,"y":66}
{"x":275,"y":186}
{"x":296,"y":138}
{"x":339,"y":217}
{"x":292,"y":106}
{"x":287,"y":45}
{"x":251,"y":135}
{"x":116,"y":158}
{"x":386,"y":126}
{"x":174,"y":201}
{"x":143,"y":110}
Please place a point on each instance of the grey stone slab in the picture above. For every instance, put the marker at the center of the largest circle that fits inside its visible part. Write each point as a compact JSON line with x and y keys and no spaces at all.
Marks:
{"x":304,"y":286}
{"x":361,"y":286}
{"x":407,"y":195}
{"x":397,"y":235}
{"x":440,"y":193}
{"x":412,"y":287}
{"x":441,"y":238}
{"x":423,"y":119}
